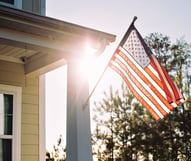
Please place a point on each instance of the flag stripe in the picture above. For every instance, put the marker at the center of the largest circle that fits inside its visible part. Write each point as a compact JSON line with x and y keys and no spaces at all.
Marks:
{"x":180,"y":94}
{"x":144,"y":91}
{"x":176,"y":91}
{"x":149,"y":75}
{"x":149,"y":70}
{"x":154,"y":91}
{"x":155,"y":70}
{"x":168,"y":87}
{"x":142,"y":85}
{"x":151,"y":67}
{"x":139,"y":97}
{"x":139,"y":91}
{"x":144,"y":75}
{"x":152,"y":75}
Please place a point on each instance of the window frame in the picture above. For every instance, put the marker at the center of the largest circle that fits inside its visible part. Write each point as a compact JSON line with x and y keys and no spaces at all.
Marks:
{"x":17,"y":4}
{"x":16,"y":136}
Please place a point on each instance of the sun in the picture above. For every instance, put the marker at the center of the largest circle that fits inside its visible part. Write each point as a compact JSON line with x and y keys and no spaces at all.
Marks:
{"x":88,"y":64}
{"x":95,"y":68}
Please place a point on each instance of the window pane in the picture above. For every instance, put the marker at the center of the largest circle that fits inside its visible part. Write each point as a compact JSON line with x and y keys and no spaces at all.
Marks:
{"x":5,"y":150}
{"x":8,"y":110}
{"x":8,"y":1}
{"x":6,"y":114}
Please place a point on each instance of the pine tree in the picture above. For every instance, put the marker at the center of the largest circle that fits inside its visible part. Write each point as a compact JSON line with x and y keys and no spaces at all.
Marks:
{"x":127,"y":132}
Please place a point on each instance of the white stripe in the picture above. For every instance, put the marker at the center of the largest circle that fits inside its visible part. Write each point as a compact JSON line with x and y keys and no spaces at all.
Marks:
{"x":181,"y":100}
{"x":154,"y":71}
{"x":138,"y":91}
{"x":147,"y":88}
{"x":171,"y":91}
{"x":174,"y":104}
{"x":144,"y":73}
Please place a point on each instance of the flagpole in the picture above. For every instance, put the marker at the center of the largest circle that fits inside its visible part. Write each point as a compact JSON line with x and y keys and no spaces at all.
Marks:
{"x":101,"y":76}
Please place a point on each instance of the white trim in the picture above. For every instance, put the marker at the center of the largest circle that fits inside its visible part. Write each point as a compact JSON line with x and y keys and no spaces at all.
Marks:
{"x":6,"y":136}
{"x":18,"y":4}
{"x":17,"y":92}
{"x":42,"y":136}
{"x":43,"y":7}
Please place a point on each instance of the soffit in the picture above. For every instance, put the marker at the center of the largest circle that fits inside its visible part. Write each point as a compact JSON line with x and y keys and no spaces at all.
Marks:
{"x":28,"y":36}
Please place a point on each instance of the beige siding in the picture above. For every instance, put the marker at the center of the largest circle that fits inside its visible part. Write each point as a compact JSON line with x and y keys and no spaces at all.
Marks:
{"x":32,"y":158}
{"x":12,"y":73}
{"x":30,"y":120}
{"x":29,"y":151}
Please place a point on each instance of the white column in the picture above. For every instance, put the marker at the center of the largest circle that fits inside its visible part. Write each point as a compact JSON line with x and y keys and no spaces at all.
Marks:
{"x":42,"y":113}
{"x":78,"y":119}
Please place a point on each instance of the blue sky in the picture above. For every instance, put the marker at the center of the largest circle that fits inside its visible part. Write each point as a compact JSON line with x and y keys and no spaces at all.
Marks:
{"x":169,"y":17}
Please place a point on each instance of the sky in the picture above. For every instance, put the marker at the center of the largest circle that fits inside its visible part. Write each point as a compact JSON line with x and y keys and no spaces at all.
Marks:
{"x":169,"y":17}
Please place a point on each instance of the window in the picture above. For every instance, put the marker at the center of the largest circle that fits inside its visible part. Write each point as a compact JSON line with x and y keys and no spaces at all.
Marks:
{"x":12,"y":3}
{"x":6,"y":126}
{"x":7,"y":1}
{"x":10,"y":108}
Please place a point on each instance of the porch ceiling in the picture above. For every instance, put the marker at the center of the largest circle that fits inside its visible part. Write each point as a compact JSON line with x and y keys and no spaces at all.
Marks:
{"x":15,"y":54}
{"x":38,"y":41}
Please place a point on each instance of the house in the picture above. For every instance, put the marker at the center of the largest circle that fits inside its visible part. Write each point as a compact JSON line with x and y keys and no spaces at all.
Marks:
{"x":31,"y":45}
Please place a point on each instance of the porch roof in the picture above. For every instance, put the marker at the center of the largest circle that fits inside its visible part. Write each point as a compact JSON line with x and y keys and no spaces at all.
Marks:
{"x":39,"y":41}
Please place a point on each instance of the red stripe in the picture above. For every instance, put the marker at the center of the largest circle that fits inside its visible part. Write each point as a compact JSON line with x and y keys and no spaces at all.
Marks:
{"x":140,"y":91}
{"x":178,"y":102}
{"x":171,"y":84}
{"x":180,"y":95}
{"x":140,"y":99}
{"x":146,"y":80}
{"x":169,"y":94}
{"x":152,"y":63}
{"x":151,"y":74}
{"x":141,"y":87}
{"x":147,"y":70}
{"x":171,"y":90}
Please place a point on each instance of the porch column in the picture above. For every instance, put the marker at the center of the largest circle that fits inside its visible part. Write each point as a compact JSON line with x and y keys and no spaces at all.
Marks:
{"x":78,"y":143}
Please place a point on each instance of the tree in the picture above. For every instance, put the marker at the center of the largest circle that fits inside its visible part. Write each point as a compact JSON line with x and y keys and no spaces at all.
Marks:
{"x":126,"y":135}
{"x":115,"y":131}
{"x":59,"y":152}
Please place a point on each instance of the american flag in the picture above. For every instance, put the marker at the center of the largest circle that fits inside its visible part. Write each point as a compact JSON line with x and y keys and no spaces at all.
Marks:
{"x":144,"y":75}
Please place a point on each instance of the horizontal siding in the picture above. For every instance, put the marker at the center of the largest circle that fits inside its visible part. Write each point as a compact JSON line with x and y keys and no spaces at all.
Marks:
{"x":29,"y":129}
{"x":12,"y":67}
{"x":29,"y":158}
{"x":32,"y":141}
{"x":30,"y":120}
{"x":30,"y":109}
{"x":32,"y":80}
{"x":30,"y":99}
{"x":12,"y":73}
{"x":29,"y":150}
{"x":30,"y":89}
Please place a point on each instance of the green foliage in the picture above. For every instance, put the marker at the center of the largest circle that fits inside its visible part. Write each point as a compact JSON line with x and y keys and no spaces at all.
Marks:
{"x":126,"y":132}
{"x":59,"y":152}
